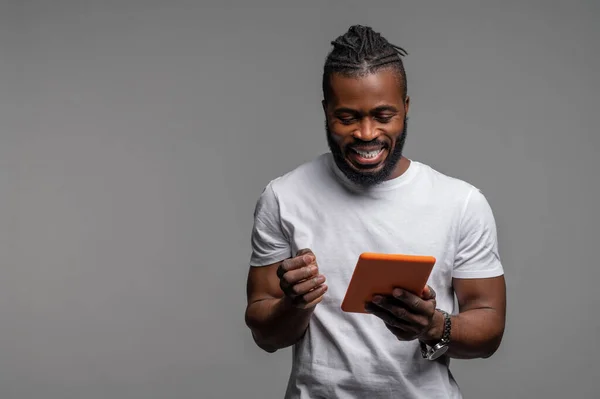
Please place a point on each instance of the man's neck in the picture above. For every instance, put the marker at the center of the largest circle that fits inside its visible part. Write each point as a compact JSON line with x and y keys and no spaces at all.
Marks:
{"x":401,"y":168}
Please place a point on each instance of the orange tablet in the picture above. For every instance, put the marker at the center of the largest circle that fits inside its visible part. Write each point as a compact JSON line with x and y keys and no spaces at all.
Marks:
{"x":380,"y":273}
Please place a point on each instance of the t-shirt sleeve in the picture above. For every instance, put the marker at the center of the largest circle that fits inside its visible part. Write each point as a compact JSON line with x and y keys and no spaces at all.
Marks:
{"x":477,"y":253}
{"x":269,"y":242}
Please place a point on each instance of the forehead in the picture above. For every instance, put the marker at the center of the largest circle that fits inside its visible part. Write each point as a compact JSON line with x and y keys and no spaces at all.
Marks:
{"x":367,"y":91}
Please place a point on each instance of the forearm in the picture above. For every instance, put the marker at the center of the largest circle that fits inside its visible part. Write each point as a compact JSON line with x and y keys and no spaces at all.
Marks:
{"x":475,"y":333}
{"x":276,"y":324}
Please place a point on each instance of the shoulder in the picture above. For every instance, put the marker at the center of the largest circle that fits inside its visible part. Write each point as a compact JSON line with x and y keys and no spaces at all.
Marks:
{"x":296,"y":181}
{"x":314,"y":172}
{"x":446,"y":188}
{"x":468,"y":202}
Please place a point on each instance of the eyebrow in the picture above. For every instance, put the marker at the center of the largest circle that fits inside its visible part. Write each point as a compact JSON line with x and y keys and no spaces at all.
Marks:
{"x":379,"y":109}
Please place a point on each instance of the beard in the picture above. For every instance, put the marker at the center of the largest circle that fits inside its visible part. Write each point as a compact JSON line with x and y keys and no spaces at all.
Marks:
{"x":367,"y":178}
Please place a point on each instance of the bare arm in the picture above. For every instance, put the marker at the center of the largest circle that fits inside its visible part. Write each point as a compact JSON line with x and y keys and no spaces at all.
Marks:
{"x":279,"y":318}
{"x":478,"y":328}
{"x":475,"y":332}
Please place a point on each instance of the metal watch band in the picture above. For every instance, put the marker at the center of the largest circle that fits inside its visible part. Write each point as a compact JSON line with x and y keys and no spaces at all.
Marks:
{"x":447,"y":327}
{"x":429,"y":354}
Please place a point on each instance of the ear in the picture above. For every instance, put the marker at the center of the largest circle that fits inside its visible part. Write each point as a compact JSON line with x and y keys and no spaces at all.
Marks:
{"x":324,"y":105}
{"x":406,"y":105}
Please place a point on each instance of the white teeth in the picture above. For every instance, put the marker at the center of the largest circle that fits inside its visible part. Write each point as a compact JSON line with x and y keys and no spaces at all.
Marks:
{"x":368,"y":154}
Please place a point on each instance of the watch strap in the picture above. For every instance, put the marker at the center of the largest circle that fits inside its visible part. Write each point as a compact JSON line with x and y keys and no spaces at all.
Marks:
{"x":444,"y":341}
{"x":447,"y":327}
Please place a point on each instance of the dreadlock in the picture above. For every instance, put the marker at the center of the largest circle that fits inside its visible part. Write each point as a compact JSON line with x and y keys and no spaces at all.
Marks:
{"x":361,"y":51}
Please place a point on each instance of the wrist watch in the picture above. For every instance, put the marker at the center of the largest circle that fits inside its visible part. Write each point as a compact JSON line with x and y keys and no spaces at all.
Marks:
{"x":442,"y":346}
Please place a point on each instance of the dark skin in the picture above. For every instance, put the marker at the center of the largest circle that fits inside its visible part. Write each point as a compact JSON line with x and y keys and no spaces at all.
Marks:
{"x":282,"y":297}
{"x":369,"y":108}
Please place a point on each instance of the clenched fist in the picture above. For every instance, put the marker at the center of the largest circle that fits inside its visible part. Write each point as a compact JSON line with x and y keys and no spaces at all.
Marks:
{"x":300,"y":280}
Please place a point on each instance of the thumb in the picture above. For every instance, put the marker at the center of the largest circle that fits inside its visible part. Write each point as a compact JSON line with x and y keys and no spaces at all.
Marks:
{"x":305,"y":251}
{"x":428,"y":293}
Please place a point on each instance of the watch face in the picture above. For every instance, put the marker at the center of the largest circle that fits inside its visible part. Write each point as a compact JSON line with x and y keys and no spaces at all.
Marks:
{"x":439,"y":352}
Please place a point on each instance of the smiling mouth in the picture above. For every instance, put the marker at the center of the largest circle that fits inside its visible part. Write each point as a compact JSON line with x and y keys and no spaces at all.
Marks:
{"x":368,"y":154}
{"x":366,"y":158}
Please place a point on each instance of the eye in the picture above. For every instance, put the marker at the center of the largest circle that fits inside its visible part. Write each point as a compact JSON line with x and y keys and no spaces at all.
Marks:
{"x":347,"y":120}
{"x":384,"y":118}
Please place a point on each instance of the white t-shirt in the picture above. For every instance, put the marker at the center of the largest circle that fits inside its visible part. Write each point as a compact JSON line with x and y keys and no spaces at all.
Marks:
{"x":422,"y":212}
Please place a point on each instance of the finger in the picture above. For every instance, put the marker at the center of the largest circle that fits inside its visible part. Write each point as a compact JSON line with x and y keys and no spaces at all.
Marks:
{"x":400,"y":311}
{"x":315,"y":294}
{"x":428,"y":293}
{"x":306,"y":286}
{"x":389,"y":318}
{"x":296,"y":276}
{"x":414,"y":303}
{"x":305,"y":251}
{"x":294,"y":263}
{"x":313,"y":303}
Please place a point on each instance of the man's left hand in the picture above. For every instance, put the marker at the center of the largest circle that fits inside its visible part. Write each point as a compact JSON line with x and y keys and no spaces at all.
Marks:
{"x":407,"y":315}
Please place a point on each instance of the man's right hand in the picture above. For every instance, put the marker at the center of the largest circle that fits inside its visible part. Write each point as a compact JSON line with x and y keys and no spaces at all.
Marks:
{"x":300,"y":280}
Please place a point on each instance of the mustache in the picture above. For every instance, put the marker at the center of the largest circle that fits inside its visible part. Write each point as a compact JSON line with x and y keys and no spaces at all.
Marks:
{"x":358,"y":143}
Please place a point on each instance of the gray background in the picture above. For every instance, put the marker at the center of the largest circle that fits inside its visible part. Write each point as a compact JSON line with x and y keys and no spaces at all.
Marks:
{"x":137,"y":136}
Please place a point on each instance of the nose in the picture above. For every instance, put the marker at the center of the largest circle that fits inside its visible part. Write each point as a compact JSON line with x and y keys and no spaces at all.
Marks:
{"x":367,"y":130}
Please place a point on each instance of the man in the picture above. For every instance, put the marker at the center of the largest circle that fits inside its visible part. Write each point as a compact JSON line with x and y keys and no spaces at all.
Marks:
{"x":312,"y":223}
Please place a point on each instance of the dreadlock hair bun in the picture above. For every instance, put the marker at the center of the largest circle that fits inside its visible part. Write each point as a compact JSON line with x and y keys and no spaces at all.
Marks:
{"x":361,"y":51}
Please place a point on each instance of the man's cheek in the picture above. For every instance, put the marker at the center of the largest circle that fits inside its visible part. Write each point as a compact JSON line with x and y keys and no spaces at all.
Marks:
{"x":337,"y":137}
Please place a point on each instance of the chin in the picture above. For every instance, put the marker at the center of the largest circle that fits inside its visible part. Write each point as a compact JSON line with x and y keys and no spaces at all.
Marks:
{"x":363,"y":176}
